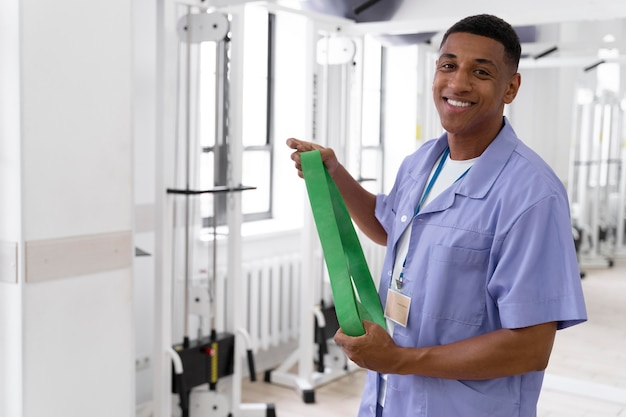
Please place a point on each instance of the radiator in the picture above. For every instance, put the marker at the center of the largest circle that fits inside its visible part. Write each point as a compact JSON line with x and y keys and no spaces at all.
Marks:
{"x":271,"y":305}
{"x":273,"y":292}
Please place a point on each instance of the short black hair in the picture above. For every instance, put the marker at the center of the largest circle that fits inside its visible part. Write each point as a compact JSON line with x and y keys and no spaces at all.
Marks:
{"x":491,"y":27}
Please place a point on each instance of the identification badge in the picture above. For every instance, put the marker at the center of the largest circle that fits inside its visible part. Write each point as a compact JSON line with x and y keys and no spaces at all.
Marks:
{"x":397,"y":307}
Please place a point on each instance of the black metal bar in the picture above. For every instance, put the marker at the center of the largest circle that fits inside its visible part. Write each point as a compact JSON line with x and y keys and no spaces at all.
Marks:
{"x":590,"y":67}
{"x":220,"y":189}
{"x":546,"y":52}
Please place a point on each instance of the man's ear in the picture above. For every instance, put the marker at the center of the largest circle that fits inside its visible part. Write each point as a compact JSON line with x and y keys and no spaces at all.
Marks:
{"x":512,"y":88}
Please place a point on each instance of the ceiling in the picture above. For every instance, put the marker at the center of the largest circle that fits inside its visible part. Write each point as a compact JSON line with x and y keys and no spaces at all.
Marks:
{"x":573,"y":30}
{"x":435,"y":15}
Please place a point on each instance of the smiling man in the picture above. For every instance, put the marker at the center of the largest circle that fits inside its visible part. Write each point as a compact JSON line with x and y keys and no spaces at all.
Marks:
{"x":479,"y":247}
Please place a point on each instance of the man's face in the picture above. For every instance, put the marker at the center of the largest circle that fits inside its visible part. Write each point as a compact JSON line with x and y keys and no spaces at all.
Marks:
{"x":472,"y":84}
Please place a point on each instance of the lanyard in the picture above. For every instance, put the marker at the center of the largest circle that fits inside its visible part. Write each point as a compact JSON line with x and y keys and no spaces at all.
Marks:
{"x":343,"y":254}
{"x":433,"y":179}
{"x":429,"y":186}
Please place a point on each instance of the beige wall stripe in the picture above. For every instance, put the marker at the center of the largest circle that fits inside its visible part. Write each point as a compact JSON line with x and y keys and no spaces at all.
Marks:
{"x":81,"y":255}
{"x":8,"y":262}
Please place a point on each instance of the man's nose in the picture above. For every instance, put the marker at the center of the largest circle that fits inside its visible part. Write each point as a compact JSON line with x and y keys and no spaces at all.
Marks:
{"x":460,"y":80}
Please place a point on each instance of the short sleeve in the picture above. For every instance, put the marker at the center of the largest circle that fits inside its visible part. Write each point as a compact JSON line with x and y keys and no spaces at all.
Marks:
{"x":537,"y":279}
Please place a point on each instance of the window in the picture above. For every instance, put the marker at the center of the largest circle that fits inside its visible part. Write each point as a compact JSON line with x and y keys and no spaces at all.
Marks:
{"x":257,"y":120}
{"x":371,"y":161}
{"x":258,"y":114}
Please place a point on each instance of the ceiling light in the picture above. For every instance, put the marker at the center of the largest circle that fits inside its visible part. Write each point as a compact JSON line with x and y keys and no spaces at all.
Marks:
{"x":608,"y":38}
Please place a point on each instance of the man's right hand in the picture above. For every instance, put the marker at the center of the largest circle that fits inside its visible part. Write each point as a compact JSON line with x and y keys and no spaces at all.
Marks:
{"x":328,"y":155}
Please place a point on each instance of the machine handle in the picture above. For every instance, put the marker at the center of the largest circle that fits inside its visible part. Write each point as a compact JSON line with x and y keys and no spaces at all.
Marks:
{"x":251,"y":365}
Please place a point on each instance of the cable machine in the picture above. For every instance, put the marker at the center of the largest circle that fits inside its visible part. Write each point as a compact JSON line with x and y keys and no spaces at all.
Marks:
{"x":333,"y":83}
{"x":597,"y":185}
{"x":207,"y":363}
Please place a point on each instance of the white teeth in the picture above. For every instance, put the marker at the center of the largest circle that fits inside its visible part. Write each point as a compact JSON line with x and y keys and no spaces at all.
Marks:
{"x":458,"y":103}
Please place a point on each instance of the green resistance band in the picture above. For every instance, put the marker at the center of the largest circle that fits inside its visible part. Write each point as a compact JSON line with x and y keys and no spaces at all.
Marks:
{"x":354,"y":292}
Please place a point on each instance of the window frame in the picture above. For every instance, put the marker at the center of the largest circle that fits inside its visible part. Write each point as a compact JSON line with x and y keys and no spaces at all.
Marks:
{"x":220,"y":148}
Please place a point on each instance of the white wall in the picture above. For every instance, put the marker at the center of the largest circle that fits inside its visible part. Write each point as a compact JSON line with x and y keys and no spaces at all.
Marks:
{"x":290,"y":83}
{"x":10,"y":351}
{"x":541,"y":116}
{"x":76,"y":100}
{"x":401,"y":109}
{"x":77,"y":181}
{"x":66,"y":202}
{"x":9,"y":122}
{"x":78,"y":353}
{"x":10,"y":291}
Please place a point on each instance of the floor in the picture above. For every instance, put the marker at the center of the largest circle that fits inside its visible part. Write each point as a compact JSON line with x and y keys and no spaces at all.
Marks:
{"x":586,"y":376}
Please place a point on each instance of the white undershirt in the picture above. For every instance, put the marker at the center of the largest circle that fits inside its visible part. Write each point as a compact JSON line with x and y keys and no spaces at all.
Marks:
{"x":450,"y":173}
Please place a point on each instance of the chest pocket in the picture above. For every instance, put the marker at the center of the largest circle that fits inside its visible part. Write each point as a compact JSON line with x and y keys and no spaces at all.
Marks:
{"x":455,"y":284}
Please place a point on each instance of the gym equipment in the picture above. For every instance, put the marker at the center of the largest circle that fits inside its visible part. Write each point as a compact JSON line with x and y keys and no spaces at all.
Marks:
{"x":596,"y":184}
{"x":332,"y":96}
{"x":200,"y":362}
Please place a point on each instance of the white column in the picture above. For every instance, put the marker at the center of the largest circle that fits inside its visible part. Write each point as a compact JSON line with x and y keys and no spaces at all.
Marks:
{"x":66,"y":326}
{"x":166,"y":72}
{"x":10,"y":216}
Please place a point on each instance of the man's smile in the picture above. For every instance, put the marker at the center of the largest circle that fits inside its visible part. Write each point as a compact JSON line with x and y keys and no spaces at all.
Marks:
{"x":457,"y":103}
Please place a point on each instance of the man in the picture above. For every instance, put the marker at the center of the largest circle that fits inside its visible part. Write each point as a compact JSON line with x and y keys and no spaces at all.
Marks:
{"x":479,"y":246}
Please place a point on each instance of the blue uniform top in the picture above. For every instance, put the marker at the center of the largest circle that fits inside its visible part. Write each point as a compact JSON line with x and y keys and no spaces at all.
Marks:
{"x":494,"y":250}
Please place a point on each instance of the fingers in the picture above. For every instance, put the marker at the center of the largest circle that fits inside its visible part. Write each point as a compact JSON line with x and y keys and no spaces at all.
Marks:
{"x":365,"y":350}
{"x":298,"y":164}
{"x":295,"y":157}
{"x":293,"y":143}
{"x":328,"y":155}
{"x":300,"y":146}
{"x":345,"y":341}
{"x":352,"y":347}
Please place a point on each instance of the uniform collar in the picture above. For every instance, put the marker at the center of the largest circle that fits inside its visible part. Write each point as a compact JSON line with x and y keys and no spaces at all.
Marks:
{"x":480,"y":179}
